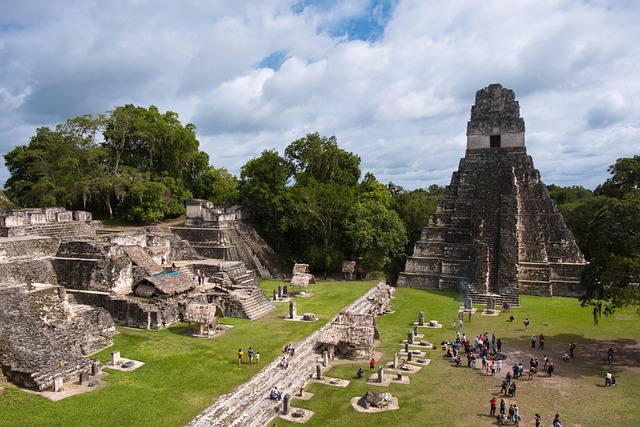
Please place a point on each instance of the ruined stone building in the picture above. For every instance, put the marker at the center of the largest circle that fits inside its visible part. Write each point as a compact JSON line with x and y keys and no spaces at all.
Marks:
{"x":222,"y":233}
{"x":496,"y":232}
{"x":65,"y":282}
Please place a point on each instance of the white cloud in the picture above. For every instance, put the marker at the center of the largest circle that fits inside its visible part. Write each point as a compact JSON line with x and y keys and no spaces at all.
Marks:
{"x":401,"y":101}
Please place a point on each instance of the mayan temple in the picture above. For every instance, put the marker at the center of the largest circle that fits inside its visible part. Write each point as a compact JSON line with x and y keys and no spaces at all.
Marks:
{"x":496,"y":232}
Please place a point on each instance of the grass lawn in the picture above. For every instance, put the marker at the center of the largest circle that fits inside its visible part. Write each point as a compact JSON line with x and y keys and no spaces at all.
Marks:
{"x":182,"y":375}
{"x":443,"y":394}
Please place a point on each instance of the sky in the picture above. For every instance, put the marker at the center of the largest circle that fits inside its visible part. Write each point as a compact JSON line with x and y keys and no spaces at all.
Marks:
{"x":392,"y":80}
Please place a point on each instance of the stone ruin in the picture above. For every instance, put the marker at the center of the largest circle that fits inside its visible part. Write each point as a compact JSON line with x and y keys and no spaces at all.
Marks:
{"x":301,"y":276}
{"x":378,"y":400}
{"x":65,"y":282}
{"x":350,"y":334}
{"x":44,"y":338}
{"x":349,"y":270}
{"x":496,"y":232}
{"x":223,"y":233}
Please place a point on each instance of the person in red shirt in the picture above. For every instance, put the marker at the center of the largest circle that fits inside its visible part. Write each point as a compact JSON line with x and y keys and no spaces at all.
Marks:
{"x":493,"y":403}
{"x":372,"y":364}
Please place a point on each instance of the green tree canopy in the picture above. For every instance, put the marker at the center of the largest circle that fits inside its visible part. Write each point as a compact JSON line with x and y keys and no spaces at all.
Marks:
{"x":106,"y":163}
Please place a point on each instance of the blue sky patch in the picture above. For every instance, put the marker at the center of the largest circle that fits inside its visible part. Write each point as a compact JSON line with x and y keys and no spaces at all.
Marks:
{"x":365,"y":24}
{"x":274,"y":61}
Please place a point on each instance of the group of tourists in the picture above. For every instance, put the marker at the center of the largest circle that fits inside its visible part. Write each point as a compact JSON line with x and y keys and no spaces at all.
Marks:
{"x":251,"y":354}
{"x":200,"y":277}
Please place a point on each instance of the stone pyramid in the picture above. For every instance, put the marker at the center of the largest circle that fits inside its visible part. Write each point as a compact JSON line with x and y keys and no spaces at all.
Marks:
{"x":496,"y":232}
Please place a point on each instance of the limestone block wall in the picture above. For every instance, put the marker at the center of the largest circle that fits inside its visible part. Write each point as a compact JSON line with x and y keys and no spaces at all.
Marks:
{"x":12,"y":249}
{"x":96,"y":266}
{"x":17,"y":273}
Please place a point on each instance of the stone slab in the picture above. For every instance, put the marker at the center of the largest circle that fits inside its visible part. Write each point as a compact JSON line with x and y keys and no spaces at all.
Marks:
{"x":136,"y":365}
{"x":415,"y":369}
{"x":373,"y":410}
{"x":73,"y":388}
{"x":300,"y":420}
{"x":299,"y":319}
{"x":336,"y":382}
{"x":305,"y":396}
{"x":494,"y":313}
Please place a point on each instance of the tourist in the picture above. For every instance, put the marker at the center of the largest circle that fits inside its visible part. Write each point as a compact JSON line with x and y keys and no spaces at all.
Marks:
{"x":556,"y":421}
{"x":610,"y":355}
{"x":526,"y":324}
{"x":173,"y":266}
{"x":469,"y":316}
{"x":499,"y":367}
{"x":240,"y":354}
{"x":613,"y":380}
{"x":460,"y":323}
{"x":512,"y":318}
{"x":493,"y":402}
{"x":502,"y":419}
{"x":550,"y":368}
{"x":505,"y":387}
{"x":533,"y":341}
{"x":284,"y":363}
{"x":275,"y":394}
{"x":499,"y":345}
{"x":538,"y":420}
{"x":566,"y":357}
{"x":257,"y":357}
{"x":493,"y":368}
{"x":541,"y":340}
{"x":360,"y":372}
{"x":502,"y":406}
{"x":572,"y":346}
{"x":532,"y":372}
{"x":516,"y":414}
{"x":511,"y":412}
{"x":607,"y":379}
{"x":512,"y":389}
{"x":250,"y":353}
{"x":372,"y":364}
{"x":455,"y":324}
{"x":162,"y":260}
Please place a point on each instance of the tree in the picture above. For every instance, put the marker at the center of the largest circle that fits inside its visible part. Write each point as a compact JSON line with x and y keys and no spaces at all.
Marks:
{"x":625,"y":178}
{"x":612,"y":277}
{"x":216,"y":185}
{"x":320,"y":158}
{"x":376,"y":234}
{"x":143,"y":152}
{"x":263,"y":192}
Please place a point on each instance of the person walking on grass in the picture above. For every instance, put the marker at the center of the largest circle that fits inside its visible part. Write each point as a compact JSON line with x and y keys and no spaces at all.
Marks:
{"x":240,"y":354}
{"x":250,"y":353}
{"x":572,"y":346}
